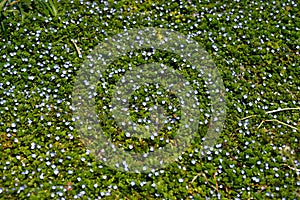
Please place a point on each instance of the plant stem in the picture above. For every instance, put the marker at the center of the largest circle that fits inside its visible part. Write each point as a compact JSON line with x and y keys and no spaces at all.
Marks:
{"x":76,"y":47}
{"x":271,"y":111}
{"x":273,"y":120}
{"x":282,"y":109}
{"x":276,"y":120}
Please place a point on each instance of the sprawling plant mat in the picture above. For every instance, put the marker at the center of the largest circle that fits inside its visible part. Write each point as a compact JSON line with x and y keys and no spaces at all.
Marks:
{"x":255,"y":45}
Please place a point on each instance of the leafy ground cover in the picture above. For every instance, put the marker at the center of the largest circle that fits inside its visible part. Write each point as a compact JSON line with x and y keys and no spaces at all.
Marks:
{"x":254,"y":44}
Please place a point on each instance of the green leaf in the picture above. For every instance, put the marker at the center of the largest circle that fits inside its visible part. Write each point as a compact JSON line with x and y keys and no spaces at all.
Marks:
{"x":2,"y":5}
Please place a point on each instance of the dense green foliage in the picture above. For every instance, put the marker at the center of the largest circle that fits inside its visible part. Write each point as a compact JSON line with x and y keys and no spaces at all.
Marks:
{"x":254,"y":44}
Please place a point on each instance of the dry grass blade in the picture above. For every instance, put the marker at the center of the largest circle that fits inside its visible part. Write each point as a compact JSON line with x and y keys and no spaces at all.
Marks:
{"x":276,"y":120}
{"x":76,"y":47}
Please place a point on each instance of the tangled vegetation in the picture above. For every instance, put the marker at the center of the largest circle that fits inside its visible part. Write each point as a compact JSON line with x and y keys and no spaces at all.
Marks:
{"x":255,"y":45}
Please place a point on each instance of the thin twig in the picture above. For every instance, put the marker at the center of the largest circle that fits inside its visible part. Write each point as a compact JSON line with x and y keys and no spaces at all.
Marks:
{"x":248,"y":117}
{"x":280,"y":122}
{"x":76,"y":47}
{"x":271,"y":111}
{"x":208,"y":181}
{"x":217,"y":185}
{"x":261,"y":124}
{"x":195,"y":177}
{"x":205,"y":180}
{"x":276,"y":120}
{"x":282,"y":109}
{"x":273,"y":120}
{"x":292,"y":168}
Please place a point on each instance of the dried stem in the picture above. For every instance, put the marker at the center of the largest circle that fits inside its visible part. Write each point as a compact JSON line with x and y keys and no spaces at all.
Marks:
{"x":248,"y":117}
{"x":195,"y":177}
{"x":271,"y":111}
{"x":76,"y":47}
{"x":261,"y":124}
{"x":292,"y":168}
{"x":273,"y":120}
{"x":276,"y":120}
{"x":204,"y":176}
{"x":282,"y":109}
